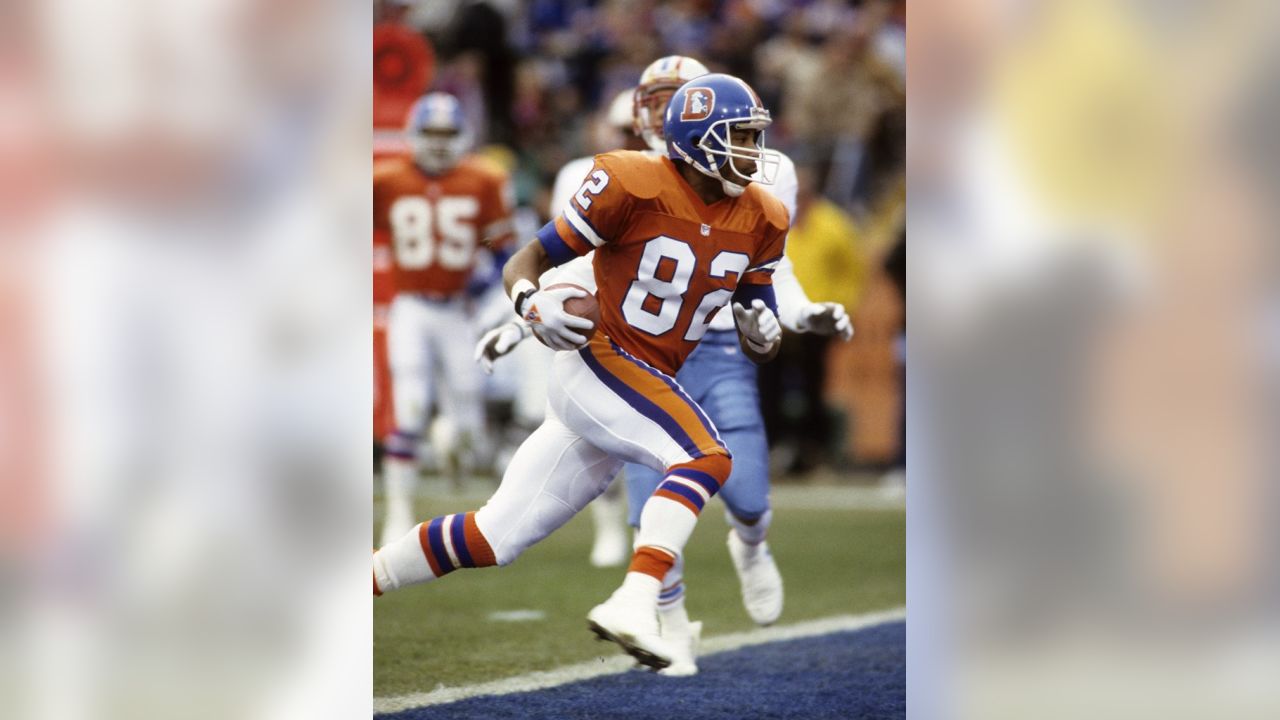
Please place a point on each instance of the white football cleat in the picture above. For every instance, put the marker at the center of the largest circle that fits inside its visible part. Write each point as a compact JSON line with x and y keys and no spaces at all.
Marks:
{"x":684,"y":645}
{"x":632,"y":623}
{"x":761,"y":582}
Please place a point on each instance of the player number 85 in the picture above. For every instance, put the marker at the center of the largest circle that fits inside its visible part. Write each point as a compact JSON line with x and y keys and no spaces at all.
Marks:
{"x":411,"y":221}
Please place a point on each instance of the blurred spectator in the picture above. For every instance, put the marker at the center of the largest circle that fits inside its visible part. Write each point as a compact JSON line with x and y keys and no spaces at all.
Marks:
{"x":836,"y":102}
{"x":786,"y":63}
{"x":824,"y":246}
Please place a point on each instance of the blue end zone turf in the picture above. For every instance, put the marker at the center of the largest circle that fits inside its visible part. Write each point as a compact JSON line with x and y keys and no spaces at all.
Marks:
{"x":851,"y":675}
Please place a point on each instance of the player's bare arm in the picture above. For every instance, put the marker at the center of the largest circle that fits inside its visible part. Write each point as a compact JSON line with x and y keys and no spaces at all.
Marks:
{"x":527,"y":264}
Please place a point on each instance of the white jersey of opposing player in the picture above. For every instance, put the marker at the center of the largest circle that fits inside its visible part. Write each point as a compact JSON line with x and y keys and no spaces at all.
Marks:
{"x":791,"y":297}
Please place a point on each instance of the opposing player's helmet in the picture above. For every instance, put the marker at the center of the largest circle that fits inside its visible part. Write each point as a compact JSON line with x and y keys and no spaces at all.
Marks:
{"x":437,"y":130}
{"x":700,"y":117}
{"x":649,"y":100}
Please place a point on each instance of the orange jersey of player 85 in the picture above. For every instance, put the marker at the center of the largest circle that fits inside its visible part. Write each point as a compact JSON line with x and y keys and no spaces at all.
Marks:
{"x":434,"y":223}
{"x":665,"y":261}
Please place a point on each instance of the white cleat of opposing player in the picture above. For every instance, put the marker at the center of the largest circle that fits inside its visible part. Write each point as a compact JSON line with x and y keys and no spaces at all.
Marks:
{"x":761,"y":581}
{"x":684,"y":648}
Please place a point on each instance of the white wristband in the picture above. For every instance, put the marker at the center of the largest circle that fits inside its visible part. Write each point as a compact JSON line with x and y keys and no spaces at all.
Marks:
{"x":519,"y":288}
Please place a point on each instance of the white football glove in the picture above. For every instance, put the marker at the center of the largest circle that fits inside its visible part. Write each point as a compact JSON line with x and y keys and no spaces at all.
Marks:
{"x":544,"y":311}
{"x":758,"y":325}
{"x":826,"y":318}
{"x":498,"y":342}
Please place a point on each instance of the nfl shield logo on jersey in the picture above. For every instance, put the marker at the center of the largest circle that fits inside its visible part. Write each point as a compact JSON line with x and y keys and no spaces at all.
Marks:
{"x":706,"y":230}
{"x":698,"y":103}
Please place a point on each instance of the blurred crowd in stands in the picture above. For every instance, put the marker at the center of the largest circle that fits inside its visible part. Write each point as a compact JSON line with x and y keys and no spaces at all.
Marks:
{"x":537,"y":79}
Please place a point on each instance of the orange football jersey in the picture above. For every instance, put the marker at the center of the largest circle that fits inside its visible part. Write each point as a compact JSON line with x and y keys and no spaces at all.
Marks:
{"x":433,"y":223}
{"x":665,"y":261}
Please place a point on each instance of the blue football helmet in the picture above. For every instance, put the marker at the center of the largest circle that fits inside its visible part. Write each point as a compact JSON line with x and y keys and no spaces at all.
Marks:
{"x":437,"y":130}
{"x":699,"y":119}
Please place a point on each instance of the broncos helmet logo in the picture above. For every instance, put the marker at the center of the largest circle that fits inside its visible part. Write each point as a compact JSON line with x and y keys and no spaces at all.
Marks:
{"x":698,"y":103}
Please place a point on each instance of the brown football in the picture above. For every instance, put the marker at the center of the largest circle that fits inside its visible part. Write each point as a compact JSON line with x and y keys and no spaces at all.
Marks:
{"x":584,"y":307}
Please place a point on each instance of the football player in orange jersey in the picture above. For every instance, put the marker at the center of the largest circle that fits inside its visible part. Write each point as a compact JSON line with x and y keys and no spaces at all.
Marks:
{"x":438,"y":209}
{"x":716,"y":375}
{"x":676,"y":238}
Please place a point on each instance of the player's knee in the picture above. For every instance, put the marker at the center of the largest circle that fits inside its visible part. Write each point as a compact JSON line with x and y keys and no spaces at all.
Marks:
{"x":716,"y":468}
{"x":410,"y":417}
{"x":750,"y":512}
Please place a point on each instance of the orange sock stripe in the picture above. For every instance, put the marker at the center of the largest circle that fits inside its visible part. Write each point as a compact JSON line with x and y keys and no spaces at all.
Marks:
{"x":717,"y":465}
{"x":425,"y":542}
{"x":662,"y":493}
{"x":376,"y":591}
{"x":652,"y":562}
{"x":481,"y":553}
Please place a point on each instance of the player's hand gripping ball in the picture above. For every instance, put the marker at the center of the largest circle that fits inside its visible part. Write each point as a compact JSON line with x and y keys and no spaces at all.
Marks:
{"x":563,"y":316}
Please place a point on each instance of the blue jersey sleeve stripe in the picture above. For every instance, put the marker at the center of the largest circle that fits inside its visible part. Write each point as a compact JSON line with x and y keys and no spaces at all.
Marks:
{"x":559,"y":252}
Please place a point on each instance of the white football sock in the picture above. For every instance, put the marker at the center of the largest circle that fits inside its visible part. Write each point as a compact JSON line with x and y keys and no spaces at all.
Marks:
{"x":401,"y":563}
{"x":609,"y":515}
{"x":640,"y":585}
{"x":400,"y":479}
{"x":665,"y":524}
{"x":671,"y":610}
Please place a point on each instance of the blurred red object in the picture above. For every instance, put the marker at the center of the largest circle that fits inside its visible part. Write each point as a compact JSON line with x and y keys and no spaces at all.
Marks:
{"x":403,"y":65}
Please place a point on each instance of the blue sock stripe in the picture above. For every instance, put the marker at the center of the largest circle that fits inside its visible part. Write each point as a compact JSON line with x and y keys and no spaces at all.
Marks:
{"x":401,"y":445}
{"x":684,"y":491}
{"x":459,"y":537}
{"x":435,"y":535}
{"x":707,"y":482}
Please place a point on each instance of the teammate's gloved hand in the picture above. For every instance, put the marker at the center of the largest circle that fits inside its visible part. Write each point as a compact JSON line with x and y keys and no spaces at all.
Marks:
{"x":826,"y":318}
{"x":498,"y":342}
{"x":758,"y":325}
{"x":544,"y":311}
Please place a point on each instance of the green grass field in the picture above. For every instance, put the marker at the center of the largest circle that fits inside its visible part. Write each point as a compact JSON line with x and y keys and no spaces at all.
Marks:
{"x":833,"y":561}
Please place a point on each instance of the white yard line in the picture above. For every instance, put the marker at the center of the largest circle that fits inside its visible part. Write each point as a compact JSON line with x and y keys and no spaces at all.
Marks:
{"x":828,"y":497}
{"x":616,"y":664}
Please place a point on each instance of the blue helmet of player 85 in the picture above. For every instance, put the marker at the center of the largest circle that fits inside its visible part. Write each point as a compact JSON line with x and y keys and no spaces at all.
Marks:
{"x":699,"y":121}
{"x":437,"y":130}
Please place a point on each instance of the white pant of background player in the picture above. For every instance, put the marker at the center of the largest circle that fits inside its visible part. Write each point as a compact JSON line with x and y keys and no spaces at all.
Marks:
{"x":429,"y":350}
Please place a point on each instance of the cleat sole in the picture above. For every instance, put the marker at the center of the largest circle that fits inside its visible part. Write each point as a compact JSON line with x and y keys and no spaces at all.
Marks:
{"x":642,"y":656}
